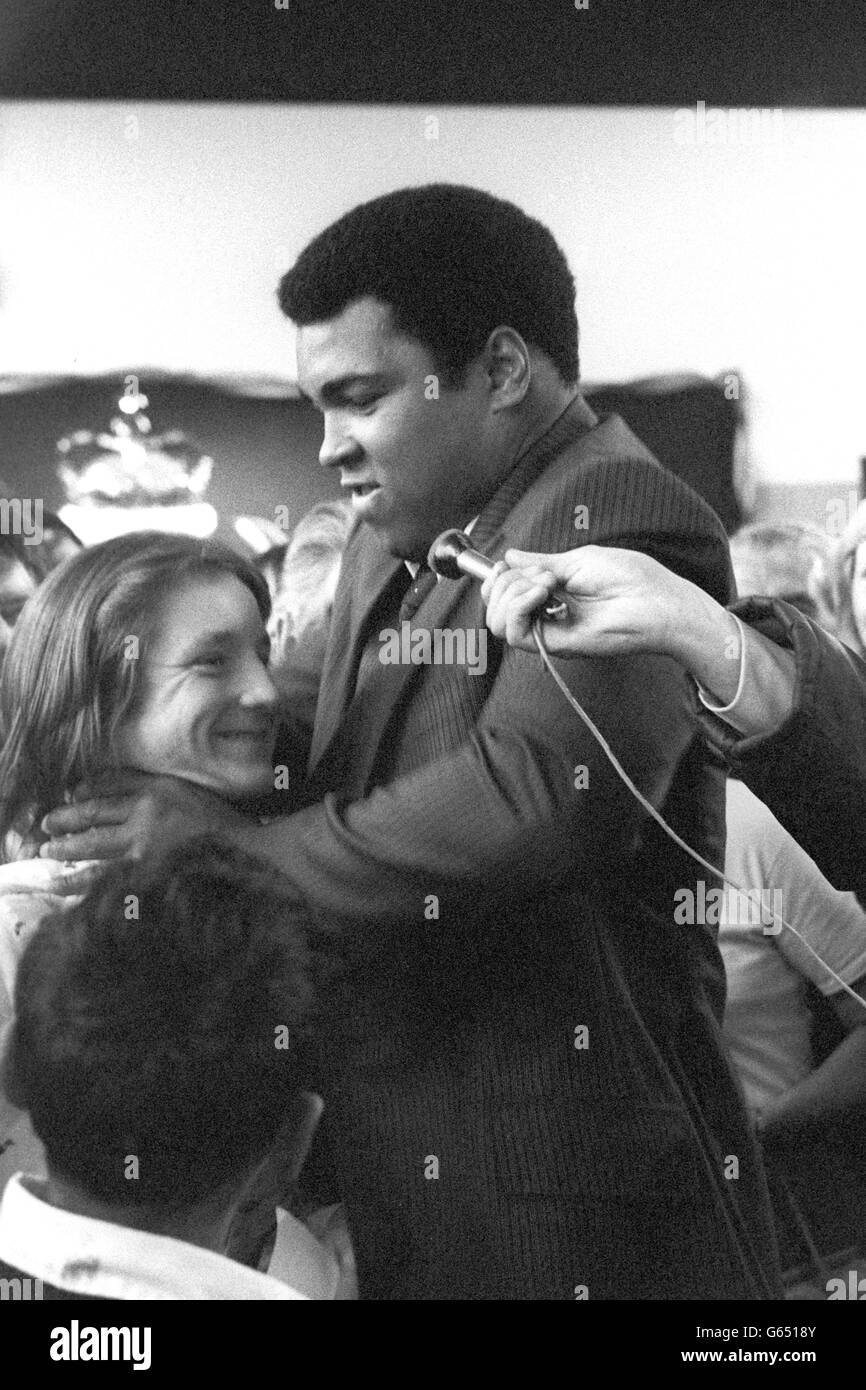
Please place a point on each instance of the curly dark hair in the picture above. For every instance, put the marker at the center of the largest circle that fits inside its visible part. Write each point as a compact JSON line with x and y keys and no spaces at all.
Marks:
{"x":453,"y":263}
{"x":163,"y":1017}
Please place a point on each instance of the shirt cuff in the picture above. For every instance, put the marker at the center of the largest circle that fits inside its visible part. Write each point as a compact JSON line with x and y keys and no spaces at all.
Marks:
{"x":766,"y":693}
{"x":731,"y":706}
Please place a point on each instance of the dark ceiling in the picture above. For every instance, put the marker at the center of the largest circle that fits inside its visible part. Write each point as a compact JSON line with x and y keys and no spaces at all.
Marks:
{"x":629,"y":52}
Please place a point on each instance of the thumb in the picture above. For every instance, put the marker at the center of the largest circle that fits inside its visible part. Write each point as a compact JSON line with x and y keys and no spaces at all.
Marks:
{"x":563,"y":565}
{"x":520,"y":559}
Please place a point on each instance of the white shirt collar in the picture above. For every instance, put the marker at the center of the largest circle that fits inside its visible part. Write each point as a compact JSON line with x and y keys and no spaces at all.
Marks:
{"x":82,"y":1255}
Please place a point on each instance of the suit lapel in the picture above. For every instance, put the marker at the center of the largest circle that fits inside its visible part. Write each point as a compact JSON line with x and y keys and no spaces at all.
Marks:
{"x":364,"y":726}
{"x":574,"y":421}
{"x":365,"y":576}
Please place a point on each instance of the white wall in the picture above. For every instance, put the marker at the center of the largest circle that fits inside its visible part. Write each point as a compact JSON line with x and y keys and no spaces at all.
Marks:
{"x":155,"y":235}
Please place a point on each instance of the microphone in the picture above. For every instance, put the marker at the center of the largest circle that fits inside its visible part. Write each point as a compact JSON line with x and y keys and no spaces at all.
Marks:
{"x":452,"y":556}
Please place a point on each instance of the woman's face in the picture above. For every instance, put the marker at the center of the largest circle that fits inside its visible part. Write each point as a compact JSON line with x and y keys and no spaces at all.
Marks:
{"x":858,"y":591}
{"x":206,"y":708}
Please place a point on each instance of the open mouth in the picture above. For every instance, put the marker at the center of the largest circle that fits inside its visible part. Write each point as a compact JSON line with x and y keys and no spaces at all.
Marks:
{"x":247,"y":736}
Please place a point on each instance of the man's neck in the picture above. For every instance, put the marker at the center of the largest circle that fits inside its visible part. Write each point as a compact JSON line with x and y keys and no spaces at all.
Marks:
{"x":206,"y":1225}
{"x":547,"y":409}
{"x":543,"y":417}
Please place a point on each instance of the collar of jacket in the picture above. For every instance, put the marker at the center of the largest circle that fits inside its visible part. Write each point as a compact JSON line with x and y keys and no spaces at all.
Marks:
{"x":576,"y":419}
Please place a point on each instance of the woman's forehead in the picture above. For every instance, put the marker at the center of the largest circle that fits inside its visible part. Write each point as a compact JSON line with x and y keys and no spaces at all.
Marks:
{"x":205,"y":603}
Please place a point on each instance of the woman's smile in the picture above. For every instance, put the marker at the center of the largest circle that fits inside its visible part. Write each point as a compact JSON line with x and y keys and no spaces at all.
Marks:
{"x":208,"y":706}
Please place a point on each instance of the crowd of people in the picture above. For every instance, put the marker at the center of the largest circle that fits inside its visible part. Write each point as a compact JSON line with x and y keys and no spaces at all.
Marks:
{"x":327,"y":977}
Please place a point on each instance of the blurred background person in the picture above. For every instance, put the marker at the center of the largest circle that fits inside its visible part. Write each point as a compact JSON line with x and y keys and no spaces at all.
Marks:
{"x":849,"y":583}
{"x":59,"y":542}
{"x":787,"y":560}
{"x":303,"y":601}
{"x":19,"y":578}
{"x":797,"y":1039}
{"x":23,"y":566}
{"x":270,"y":562}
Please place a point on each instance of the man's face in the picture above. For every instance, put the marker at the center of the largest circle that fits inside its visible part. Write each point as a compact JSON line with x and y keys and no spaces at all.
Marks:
{"x":415,"y":457}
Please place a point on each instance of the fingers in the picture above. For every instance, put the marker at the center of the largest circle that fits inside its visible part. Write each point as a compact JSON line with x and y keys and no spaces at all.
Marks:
{"x":77,"y":877}
{"x":513,"y":599}
{"x":486,"y":588}
{"x":118,"y":783}
{"x":70,"y":880}
{"x":81,"y":815}
{"x":105,"y":842}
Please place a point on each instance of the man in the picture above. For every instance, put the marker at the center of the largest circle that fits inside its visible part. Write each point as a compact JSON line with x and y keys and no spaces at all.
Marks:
{"x":524,"y":1076}
{"x":156,"y":1049}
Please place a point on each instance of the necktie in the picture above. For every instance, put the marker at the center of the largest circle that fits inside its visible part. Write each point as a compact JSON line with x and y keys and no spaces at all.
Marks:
{"x":423,"y":584}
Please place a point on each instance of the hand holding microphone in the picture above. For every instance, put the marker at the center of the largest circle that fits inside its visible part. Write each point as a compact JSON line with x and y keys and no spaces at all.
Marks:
{"x":452,"y":556}
{"x":597,"y":600}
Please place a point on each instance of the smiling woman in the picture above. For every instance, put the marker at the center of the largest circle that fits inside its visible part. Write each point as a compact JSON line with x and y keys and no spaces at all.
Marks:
{"x":206,"y":708}
{"x":147,"y":652}
{"x":150,"y":653}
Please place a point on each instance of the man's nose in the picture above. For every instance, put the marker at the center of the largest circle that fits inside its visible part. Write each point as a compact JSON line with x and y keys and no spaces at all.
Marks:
{"x":337,"y":446}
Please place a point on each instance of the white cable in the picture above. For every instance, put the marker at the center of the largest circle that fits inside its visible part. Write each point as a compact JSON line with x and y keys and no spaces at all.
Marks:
{"x":651,"y":810}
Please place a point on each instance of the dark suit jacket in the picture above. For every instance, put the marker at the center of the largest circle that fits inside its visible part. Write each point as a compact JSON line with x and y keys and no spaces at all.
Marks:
{"x":492,"y":907}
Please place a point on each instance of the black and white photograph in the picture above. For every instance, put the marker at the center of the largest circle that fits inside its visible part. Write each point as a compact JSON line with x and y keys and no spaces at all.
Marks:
{"x":432,"y":665}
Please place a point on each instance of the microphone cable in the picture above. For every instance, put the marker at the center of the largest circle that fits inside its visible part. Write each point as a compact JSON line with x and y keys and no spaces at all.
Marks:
{"x":659,"y":819}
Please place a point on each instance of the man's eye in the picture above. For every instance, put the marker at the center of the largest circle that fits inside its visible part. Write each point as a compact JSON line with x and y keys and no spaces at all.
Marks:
{"x":212,"y":659}
{"x":363,"y":402}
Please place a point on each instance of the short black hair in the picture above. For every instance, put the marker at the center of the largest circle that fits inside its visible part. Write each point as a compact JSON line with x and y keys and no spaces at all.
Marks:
{"x":161,"y":1018}
{"x":453,"y":263}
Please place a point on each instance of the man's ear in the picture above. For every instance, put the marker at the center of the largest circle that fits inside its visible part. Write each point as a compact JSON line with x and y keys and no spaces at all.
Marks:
{"x":508,"y":367}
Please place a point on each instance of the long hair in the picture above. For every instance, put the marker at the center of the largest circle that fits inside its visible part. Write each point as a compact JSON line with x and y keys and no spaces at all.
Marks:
{"x":70,"y":674}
